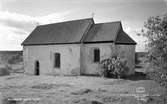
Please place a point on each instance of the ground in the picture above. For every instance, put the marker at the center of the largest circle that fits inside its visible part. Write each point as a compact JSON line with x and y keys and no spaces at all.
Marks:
{"x":75,"y":90}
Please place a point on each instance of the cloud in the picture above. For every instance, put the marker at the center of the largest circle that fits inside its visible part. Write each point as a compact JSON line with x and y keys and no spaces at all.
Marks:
{"x":26,"y":22}
{"x":55,"y":17}
{"x":16,"y":27}
{"x":52,"y":18}
{"x":9,"y":39}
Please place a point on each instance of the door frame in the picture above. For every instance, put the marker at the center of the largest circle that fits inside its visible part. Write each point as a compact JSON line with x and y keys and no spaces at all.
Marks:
{"x":37,"y":68}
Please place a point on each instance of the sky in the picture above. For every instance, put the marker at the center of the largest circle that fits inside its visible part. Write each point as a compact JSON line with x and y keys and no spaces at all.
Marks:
{"x":18,"y":18}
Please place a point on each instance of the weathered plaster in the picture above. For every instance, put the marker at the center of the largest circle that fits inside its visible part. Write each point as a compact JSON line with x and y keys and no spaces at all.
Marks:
{"x":76,"y":59}
{"x":127,"y":52}
{"x":88,"y":66}
{"x":70,"y":59}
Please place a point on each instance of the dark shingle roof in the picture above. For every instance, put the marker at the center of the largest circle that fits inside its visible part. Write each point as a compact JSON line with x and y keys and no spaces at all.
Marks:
{"x":103,"y":32}
{"x":123,"y":38}
{"x":64,"y":32}
{"x":78,"y":31}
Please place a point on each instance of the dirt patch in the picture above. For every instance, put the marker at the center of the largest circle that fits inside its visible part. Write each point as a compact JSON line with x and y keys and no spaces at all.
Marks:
{"x":85,"y":101}
{"x":14,"y":77}
{"x":116,"y":82}
{"x":14,"y":87}
{"x":108,"y":99}
{"x":81,"y":91}
{"x":49,"y":86}
{"x":102,"y":90}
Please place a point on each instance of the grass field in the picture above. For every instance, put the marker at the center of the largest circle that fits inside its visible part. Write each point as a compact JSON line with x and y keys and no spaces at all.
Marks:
{"x":76,"y":90}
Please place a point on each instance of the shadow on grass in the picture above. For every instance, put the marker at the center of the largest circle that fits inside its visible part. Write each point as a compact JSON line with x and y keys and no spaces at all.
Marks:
{"x":138,"y":66}
{"x":137,"y":76}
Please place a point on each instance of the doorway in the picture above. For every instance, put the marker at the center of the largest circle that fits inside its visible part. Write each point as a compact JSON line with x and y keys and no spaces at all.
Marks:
{"x":37,"y":68}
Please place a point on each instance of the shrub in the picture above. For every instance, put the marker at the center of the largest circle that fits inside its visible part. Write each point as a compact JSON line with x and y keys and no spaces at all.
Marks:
{"x":159,"y":76}
{"x":4,"y":71}
{"x":113,"y":67}
{"x":15,"y":59}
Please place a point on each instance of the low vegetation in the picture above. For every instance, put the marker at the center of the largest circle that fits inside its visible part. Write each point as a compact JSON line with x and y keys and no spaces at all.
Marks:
{"x":11,"y":62}
{"x":113,"y":67}
{"x":159,"y":76}
{"x":25,"y":89}
{"x":4,"y":71}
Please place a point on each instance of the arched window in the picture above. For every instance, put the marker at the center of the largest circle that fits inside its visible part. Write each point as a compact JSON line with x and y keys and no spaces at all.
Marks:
{"x":57,"y":60}
{"x":96,"y":55}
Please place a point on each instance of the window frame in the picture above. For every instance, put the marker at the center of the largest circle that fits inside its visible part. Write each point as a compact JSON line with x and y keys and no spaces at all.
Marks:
{"x":96,"y":53}
{"x":57,"y":60}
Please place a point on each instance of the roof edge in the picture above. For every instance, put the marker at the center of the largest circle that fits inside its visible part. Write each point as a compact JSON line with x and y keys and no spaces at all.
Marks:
{"x":108,"y":22}
{"x":51,"y":43}
{"x":29,"y":35}
{"x":125,"y":43}
{"x":92,"y":42}
{"x":67,"y":21}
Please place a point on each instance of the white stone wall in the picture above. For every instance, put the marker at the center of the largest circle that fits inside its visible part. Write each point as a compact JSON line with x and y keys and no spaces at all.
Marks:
{"x":88,"y":66}
{"x":70,"y":59}
{"x":71,"y":63}
{"x":127,"y":52}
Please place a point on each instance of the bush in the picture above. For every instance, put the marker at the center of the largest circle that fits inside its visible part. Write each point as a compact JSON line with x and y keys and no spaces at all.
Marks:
{"x":15,"y":59}
{"x":5,"y":71}
{"x":113,"y":67}
{"x":159,"y":76}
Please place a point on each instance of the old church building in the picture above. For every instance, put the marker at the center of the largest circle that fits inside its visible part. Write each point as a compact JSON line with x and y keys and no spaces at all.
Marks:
{"x":76,"y":47}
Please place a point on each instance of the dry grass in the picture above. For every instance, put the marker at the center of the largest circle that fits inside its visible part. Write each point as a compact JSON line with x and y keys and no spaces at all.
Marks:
{"x":74,"y":90}
{"x":49,"y":86}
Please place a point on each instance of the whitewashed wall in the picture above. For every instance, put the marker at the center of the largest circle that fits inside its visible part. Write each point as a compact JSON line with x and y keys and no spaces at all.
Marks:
{"x":71,"y":63}
{"x":70,"y":59}
{"x":127,"y":52}
{"x":88,"y":66}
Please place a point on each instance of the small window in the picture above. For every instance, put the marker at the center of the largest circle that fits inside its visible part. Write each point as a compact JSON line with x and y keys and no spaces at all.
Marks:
{"x":57,"y":60}
{"x":96,"y":55}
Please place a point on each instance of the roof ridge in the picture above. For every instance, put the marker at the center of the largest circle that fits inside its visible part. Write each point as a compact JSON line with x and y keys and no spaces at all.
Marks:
{"x":65,"y":21}
{"x":118,"y":31}
{"x":108,"y":22}
{"x":87,"y":30}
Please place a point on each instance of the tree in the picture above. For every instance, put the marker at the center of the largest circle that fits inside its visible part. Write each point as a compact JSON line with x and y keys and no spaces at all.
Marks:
{"x":155,"y":30}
